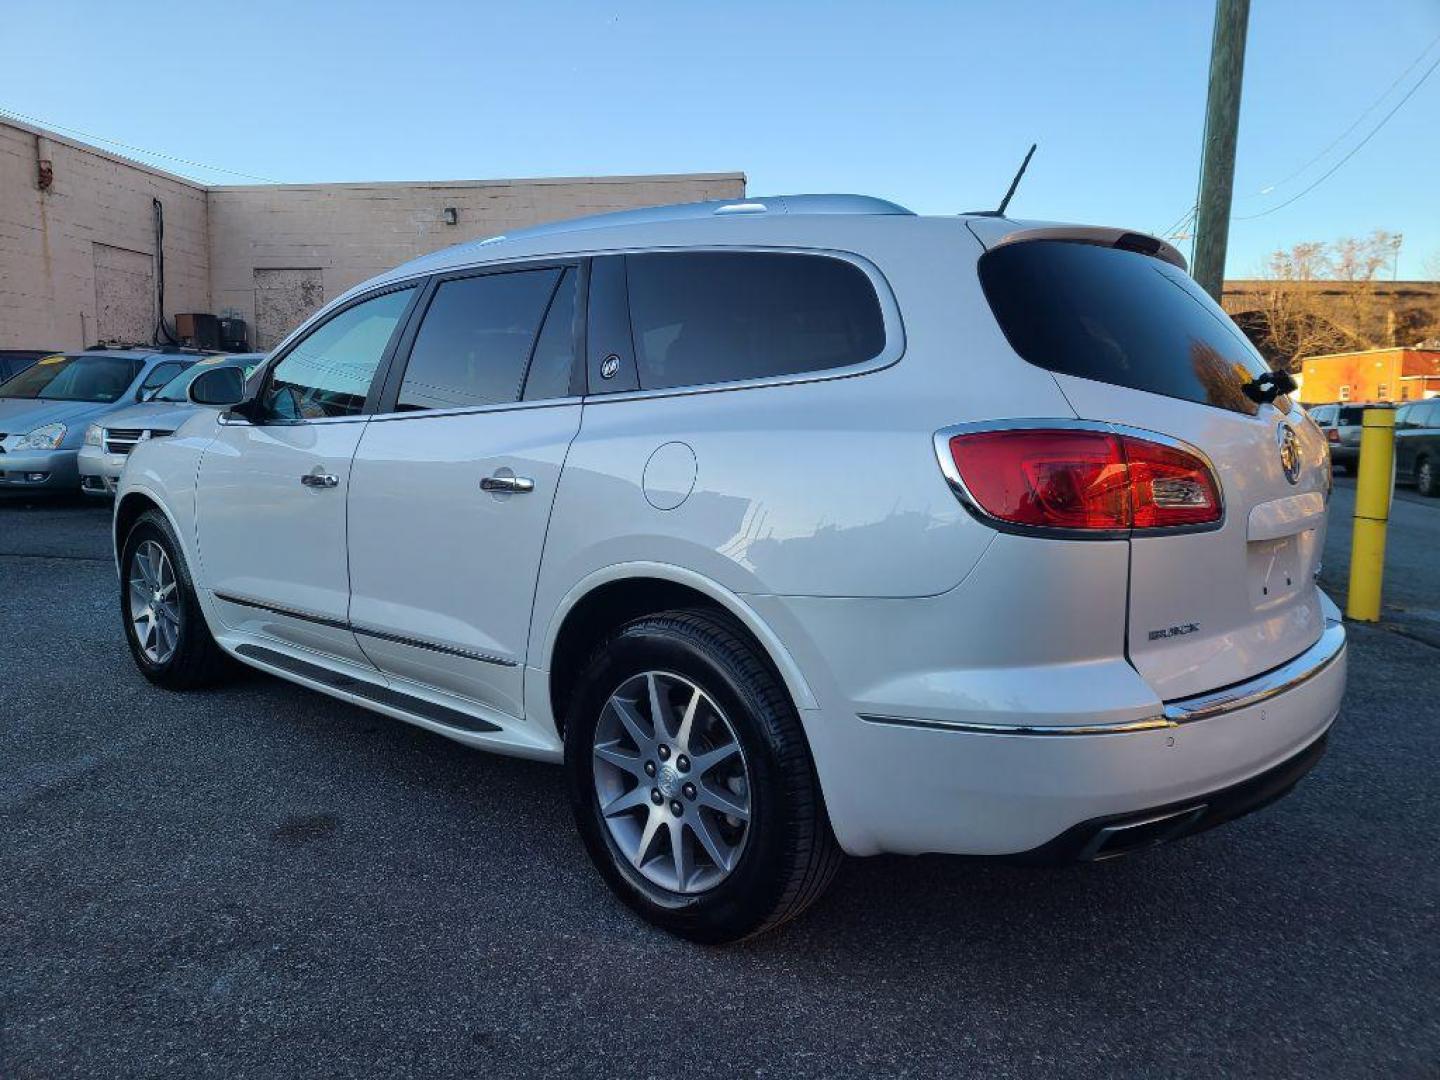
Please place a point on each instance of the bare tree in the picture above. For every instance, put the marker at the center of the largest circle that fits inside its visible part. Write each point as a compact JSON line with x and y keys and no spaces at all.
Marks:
{"x":1332,"y":297}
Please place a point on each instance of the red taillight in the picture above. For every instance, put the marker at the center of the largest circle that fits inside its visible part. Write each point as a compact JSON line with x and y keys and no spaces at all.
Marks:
{"x":1332,"y":434}
{"x":1085,"y":480}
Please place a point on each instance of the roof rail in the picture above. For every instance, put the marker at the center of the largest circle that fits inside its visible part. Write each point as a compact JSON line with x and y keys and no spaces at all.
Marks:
{"x":744,"y":207}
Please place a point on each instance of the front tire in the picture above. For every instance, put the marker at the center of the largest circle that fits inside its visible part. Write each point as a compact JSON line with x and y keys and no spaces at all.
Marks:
{"x":1426,"y":482}
{"x":692,"y":783}
{"x":164,"y":626}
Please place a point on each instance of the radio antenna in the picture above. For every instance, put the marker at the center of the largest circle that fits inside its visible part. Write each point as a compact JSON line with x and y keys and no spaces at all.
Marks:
{"x":1000,"y":211}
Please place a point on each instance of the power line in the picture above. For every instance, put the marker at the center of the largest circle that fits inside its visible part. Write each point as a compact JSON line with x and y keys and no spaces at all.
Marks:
{"x":7,"y":111}
{"x":1353,"y":151}
{"x":1355,"y":124}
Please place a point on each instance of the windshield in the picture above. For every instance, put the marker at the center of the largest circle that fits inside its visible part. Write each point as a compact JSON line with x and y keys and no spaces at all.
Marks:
{"x":175,"y":389}
{"x":1118,"y":317}
{"x":74,"y":378}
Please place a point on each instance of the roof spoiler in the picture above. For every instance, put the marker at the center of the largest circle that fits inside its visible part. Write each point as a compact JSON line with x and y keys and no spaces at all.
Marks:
{"x":997,"y":232}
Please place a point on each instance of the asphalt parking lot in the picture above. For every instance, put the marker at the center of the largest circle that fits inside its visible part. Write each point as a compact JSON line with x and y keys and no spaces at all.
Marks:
{"x":260,"y":881}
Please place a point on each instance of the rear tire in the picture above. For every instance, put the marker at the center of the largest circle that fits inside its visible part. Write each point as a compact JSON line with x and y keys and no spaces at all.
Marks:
{"x":777,"y":852}
{"x":164,"y":626}
{"x":1426,"y":482}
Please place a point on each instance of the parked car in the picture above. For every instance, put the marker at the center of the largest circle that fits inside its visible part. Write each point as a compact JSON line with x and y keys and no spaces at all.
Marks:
{"x":14,"y":361}
{"x":108,"y":441}
{"x":1341,"y":424}
{"x":793,"y":527}
{"x":1417,"y":445}
{"x":45,"y":410}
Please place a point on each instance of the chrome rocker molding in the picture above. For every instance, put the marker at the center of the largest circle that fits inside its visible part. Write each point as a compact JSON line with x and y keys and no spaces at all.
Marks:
{"x":1262,"y":688}
{"x":365,"y":631}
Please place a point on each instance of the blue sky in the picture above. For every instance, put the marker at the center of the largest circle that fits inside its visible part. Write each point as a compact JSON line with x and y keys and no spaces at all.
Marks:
{"x":930,"y":104}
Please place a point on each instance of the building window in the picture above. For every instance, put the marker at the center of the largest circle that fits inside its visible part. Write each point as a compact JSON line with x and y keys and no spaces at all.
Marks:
{"x":1345,"y":392}
{"x":1384,"y":392}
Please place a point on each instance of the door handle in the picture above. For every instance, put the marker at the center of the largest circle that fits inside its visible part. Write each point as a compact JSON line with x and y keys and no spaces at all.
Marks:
{"x":318,"y":479}
{"x":518,"y":485}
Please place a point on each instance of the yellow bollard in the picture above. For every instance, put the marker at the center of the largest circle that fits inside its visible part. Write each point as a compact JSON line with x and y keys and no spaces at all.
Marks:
{"x":1372,"y":514}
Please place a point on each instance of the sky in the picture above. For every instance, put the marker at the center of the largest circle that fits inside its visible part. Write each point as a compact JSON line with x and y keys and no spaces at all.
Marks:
{"x":929,"y":104}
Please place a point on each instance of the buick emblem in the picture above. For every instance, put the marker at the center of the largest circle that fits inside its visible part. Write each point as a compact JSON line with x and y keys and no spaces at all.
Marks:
{"x":609,"y":366}
{"x":1289,"y":452}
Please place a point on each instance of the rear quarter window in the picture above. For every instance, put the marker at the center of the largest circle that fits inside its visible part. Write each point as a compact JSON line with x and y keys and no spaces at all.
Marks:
{"x":1118,"y":317}
{"x":714,"y":317}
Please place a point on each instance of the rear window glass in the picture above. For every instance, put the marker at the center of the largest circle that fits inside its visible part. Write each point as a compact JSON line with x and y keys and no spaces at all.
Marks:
{"x":714,"y":317}
{"x":1352,"y":415}
{"x":1118,"y":317}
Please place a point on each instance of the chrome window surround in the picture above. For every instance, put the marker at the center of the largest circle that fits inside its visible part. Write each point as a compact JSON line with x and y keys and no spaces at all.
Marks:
{"x":893,"y":351}
{"x":957,"y":484}
{"x":1188,"y":710}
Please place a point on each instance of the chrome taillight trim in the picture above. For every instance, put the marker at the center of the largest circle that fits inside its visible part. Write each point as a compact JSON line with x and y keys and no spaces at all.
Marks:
{"x":942,"y":439}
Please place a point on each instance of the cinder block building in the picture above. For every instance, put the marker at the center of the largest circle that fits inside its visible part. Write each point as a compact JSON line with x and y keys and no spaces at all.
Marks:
{"x":95,"y":247}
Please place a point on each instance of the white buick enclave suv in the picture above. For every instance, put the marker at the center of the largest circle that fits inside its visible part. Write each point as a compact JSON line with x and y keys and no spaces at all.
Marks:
{"x":793,"y":527}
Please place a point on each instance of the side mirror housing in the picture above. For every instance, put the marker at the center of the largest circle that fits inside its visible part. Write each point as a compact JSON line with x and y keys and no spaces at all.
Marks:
{"x":223,"y":387}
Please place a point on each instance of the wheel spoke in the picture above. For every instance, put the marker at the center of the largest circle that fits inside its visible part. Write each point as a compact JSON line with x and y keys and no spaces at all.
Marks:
{"x":720,"y":852}
{"x":636,"y":796}
{"x":166,"y":635}
{"x":722,"y":802}
{"x":680,"y":854}
{"x":621,"y":759}
{"x":700,"y":764}
{"x":652,"y":826}
{"x":660,"y":716}
{"x":687,"y":720}
{"x":631,"y":721}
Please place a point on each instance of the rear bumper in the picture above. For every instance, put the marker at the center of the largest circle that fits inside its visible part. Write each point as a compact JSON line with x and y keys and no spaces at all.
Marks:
{"x":1122,"y":834}
{"x":908,"y":785}
{"x":1340,"y":454}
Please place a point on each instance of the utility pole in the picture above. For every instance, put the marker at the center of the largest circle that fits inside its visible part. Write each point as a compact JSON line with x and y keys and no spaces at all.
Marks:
{"x":1217,"y":166}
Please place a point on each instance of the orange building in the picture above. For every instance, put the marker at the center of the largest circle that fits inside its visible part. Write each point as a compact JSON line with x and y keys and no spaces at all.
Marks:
{"x":1371,"y":375}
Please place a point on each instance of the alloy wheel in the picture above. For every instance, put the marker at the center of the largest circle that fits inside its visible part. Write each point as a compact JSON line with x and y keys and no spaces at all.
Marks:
{"x":672,"y":782}
{"x":154,"y":602}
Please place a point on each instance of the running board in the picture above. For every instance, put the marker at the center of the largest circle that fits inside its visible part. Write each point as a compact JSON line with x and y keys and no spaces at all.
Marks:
{"x":380,"y":695}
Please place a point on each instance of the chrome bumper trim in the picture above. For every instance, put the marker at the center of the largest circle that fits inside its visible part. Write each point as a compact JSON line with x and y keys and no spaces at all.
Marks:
{"x":1262,"y":688}
{"x":1149,"y":723}
{"x":1213,"y":703}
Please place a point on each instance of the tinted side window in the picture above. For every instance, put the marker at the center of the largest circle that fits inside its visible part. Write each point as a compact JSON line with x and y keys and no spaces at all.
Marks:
{"x":328,"y":373}
{"x":1118,"y":317}
{"x":553,"y":364}
{"x":712,"y":317}
{"x":1352,"y":416}
{"x":475,"y":339}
